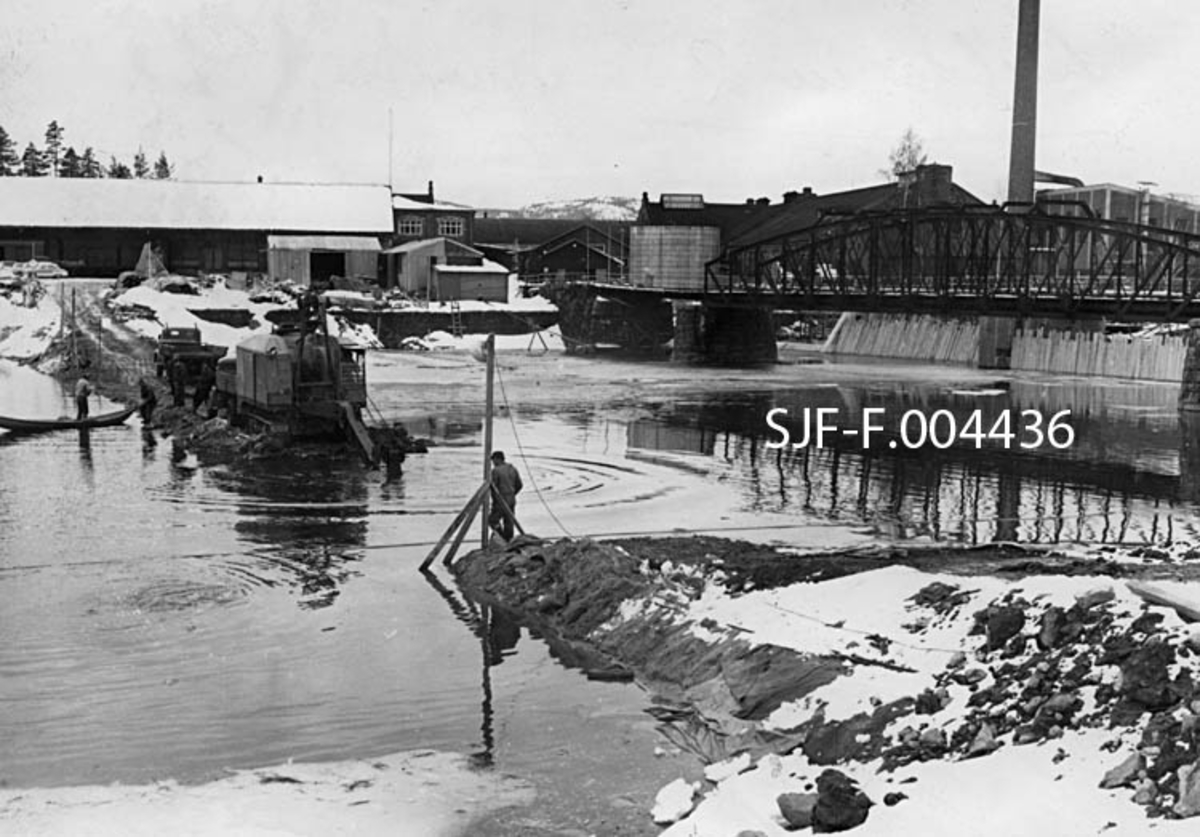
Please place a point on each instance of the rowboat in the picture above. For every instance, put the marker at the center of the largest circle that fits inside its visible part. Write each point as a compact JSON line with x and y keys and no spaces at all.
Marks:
{"x":21,"y":425}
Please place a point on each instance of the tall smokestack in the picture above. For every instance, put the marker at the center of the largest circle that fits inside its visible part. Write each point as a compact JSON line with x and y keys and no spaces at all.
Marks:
{"x":1024,"y":124}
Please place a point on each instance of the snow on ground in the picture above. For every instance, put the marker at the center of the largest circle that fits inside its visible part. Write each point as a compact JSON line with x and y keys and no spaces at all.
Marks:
{"x":175,"y":310}
{"x":425,"y":792}
{"x":1050,"y":787}
{"x":26,"y":332}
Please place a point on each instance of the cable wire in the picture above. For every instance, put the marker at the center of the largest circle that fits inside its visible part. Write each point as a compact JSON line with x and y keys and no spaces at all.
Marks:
{"x":524,"y":458}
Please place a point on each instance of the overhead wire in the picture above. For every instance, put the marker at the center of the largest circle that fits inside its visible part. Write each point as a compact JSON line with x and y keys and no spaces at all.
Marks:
{"x":525,"y":458}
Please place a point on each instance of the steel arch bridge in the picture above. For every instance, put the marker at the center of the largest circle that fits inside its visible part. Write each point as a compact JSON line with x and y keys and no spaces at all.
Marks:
{"x":1053,"y":260}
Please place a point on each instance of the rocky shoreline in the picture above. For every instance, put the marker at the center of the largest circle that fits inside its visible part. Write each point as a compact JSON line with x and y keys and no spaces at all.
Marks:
{"x":1049,"y":646}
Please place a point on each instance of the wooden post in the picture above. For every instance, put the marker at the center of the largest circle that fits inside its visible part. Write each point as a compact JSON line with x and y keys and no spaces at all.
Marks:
{"x":459,"y":523}
{"x":490,"y":348}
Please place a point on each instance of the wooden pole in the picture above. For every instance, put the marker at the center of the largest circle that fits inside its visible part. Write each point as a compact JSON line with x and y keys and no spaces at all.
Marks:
{"x":454,"y":526}
{"x":472,"y":510}
{"x":490,"y":347}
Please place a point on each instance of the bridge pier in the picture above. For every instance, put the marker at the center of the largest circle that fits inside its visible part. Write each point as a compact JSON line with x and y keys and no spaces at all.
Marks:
{"x":721,"y":335}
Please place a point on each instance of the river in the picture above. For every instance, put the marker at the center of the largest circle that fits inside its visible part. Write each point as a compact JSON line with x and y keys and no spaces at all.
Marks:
{"x":163,"y":619}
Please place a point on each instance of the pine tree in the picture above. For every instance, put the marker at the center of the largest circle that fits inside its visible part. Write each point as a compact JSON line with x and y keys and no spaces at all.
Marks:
{"x":119,"y":170}
{"x":10,"y":163}
{"x":140,"y":167}
{"x":54,"y":137}
{"x":88,"y":164}
{"x":72,"y":164}
{"x":33,"y":162}
{"x":163,"y":169}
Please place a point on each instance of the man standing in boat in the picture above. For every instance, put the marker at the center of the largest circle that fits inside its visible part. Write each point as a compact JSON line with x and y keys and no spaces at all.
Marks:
{"x":83,"y":391}
{"x":506,"y":484}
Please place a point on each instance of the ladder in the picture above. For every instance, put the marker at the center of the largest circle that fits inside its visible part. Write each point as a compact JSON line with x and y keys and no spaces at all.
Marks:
{"x":456,"y":323}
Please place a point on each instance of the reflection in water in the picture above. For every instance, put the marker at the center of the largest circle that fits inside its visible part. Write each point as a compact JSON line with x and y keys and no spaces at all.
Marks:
{"x":1131,"y":473}
{"x":479,"y":621}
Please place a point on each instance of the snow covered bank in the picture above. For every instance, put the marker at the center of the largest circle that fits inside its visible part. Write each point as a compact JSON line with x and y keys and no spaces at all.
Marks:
{"x":924,"y":680}
{"x":1002,"y":703}
{"x":25,"y":333}
{"x":426,"y":793}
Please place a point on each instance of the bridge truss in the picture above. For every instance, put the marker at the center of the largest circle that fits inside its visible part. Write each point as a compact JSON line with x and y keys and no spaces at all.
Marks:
{"x":1049,"y":261}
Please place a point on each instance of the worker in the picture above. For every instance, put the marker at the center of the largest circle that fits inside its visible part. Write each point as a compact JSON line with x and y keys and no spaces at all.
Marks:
{"x":203,"y":386}
{"x":83,"y":391}
{"x":178,"y":382}
{"x":149,"y":401}
{"x":506,"y":484}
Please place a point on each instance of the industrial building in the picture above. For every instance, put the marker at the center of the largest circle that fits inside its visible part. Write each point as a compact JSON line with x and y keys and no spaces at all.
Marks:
{"x":98,"y":227}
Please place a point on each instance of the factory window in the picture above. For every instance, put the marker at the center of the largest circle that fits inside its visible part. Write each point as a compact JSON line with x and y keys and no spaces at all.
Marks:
{"x":411,"y":225}
{"x":451,"y":227}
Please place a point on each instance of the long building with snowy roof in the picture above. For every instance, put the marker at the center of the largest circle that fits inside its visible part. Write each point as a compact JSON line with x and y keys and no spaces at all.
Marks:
{"x":97,"y":227}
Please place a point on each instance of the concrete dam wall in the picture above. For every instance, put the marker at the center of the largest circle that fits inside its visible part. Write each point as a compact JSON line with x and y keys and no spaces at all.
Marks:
{"x":977,"y":341}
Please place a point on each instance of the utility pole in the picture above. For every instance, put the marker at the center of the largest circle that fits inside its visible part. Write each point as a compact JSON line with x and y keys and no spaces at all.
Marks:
{"x":1024,"y":119}
{"x":490,"y":347}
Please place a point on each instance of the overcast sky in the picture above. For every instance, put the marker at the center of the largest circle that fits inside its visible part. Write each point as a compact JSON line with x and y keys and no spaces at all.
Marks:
{"x":505,"y":102}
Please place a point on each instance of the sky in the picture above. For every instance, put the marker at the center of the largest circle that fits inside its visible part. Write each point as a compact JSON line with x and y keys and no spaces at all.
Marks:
{"x":506,"y":102}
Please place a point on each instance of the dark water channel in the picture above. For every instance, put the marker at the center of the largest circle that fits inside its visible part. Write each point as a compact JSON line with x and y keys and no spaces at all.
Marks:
{"x":165,"y":620}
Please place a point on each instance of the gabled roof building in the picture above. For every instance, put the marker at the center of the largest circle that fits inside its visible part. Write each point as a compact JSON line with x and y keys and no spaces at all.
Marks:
{"x":97,"y":227}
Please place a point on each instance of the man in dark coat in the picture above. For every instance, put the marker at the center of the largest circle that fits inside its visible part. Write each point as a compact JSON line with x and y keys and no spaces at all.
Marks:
{"x":506,"y":484}
{"x":203,"y":387}
{"x":149,"y":401}
{"x":179,"y":382}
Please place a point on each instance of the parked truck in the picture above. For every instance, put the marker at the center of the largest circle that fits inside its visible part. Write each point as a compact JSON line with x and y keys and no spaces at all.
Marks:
{"x":184,"y":343}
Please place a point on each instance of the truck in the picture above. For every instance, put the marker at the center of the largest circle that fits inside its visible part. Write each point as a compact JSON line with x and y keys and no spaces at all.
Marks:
{"x":184,"y":342}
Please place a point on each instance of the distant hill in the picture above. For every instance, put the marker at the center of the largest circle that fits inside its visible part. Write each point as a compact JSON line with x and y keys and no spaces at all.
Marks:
{"x":595,"y":209}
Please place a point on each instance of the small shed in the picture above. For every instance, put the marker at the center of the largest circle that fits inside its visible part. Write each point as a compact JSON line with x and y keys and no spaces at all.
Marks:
{"x":309,"y":259}
{"x":487,"y":282}
{"x":412,"y":266}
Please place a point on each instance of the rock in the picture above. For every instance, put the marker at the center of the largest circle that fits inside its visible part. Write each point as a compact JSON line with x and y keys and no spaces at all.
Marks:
{"x":1146,"y":793}
{"x":1189,"y":791}
{"x":957,"y":660}
{"x":1062,"y":703}
{"x":797,"y":808}
{"x":750,"y":834}
{"x":840,"y":804}
{"x":1125,"y":774}
{"x":1096,"y":596}
{"x":1193,"y":640}
{"x":1051,"y":628}
{"x":894,"y":798}
{"x":1144,"y":677}
{"x":674,"y":801}
{"x":1025,"y":735}
{"x":933,"y":738}
{"x":984,"y":742}
{"x":1002,"y":624}
{"x":970,"y":676}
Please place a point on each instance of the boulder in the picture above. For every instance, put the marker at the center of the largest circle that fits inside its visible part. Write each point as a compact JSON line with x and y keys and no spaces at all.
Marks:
{"x":983,"y":743}
{"x":1096,"y":596}
{"x":840,"y":804}
{"x":797,"y":808}
{"x":1124,"y":774}
{"x":1002,"y":623}
{"x":1189,"y":791}
{"x":1050,"y":627}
